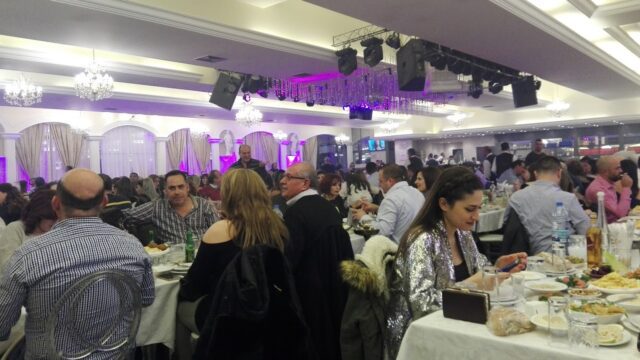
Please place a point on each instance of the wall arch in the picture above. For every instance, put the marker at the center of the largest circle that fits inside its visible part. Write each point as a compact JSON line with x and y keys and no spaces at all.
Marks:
{"x":127,"y":149}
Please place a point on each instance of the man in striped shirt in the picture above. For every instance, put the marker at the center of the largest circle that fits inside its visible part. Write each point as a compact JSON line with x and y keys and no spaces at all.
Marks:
{"x":79,"y":244}
{"x":175,"y":214}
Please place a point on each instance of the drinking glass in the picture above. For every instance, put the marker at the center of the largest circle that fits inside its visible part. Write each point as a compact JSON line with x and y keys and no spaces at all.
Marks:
{"x":623,"y":256}
{"x":557,"y":255}
{"x":490,"y":282}
{"x":557,"y":306}
{"x":583,"y":332}
{"x":517,"y":282}
{"x":176,"y":255}
{"x":578,"y":246}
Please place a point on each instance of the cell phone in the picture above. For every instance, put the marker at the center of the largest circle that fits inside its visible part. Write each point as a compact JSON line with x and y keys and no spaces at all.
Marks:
{"x":510,"y":266}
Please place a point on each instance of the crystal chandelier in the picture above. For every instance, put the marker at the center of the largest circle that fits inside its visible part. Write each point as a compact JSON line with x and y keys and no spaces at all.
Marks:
{"x":389,"y":126}
{"x":22,"y":93}
{"x":248,"y":115}
{"x":280,"y":136}
{"x":558,"y":108}
{"x":342,"y":139}
{"x":457,"y":118}
{"x":94,"y":83}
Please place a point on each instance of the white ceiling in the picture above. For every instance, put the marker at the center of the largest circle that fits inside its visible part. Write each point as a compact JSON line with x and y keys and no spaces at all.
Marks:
{"x":149,"y":47}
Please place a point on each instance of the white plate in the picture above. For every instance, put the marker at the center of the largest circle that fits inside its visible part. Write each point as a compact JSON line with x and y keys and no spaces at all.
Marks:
{"x":630,"y":323}
{"x":626,"y":336}
{"x":585,"y":297}
{"x":157,"y":253}
{"x":570,"y":271}
{"x":161,"y":269}
{"x":532,"y":275}
{"x":626,"y":304}
{"x":545,"y":286}
{"x":616,"y":290}
{"x":540,"y":320}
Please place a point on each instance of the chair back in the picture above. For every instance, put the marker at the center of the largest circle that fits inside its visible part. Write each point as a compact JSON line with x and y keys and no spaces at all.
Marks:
{"x":99,"y":313}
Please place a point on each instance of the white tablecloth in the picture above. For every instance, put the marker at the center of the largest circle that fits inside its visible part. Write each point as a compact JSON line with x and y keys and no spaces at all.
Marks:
{"x":357,"y":242}
{"x":435,"y":337}
{"x":490,"y":220}
{"x":158,"y":322}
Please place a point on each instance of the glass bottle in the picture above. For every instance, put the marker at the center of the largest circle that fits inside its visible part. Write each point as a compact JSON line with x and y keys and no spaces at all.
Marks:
{"x":189,"y":248}
{"x":594,"y":242}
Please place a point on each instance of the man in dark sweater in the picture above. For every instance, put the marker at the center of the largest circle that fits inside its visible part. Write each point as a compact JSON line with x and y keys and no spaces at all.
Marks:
{"x":502,"y":161}
{"x":246,"y":162}
{"x":317,"y":245}
{"x":536,"y":154}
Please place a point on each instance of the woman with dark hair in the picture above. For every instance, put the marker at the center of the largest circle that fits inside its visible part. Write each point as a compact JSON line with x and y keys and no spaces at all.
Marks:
{"x":329,"y":189}
{"x":438,"y":251}
{"x":141,"y":197}
{"x":630,"y":168}
{"x":124,"y":188}
{"x":578,"y":176}
{"x":37,"y":218}
{"x":425,"y":178}
{"x":11,"y":203}
{"x":358,"y":189}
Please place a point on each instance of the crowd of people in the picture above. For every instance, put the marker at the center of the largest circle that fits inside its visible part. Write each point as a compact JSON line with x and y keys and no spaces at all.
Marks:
{"x":300,"y":254}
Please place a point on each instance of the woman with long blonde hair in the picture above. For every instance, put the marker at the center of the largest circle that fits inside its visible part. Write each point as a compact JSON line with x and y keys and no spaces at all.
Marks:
{"x":248,"y":221}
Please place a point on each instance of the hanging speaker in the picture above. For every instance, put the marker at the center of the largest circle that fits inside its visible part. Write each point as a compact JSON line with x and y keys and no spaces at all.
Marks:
{"x":410,"y":64}
{"x":225,"y":90}
{"x":524,"y":92}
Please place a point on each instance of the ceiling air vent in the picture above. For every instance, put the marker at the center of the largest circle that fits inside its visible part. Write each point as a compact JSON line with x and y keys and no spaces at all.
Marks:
{"x":210,"y":59}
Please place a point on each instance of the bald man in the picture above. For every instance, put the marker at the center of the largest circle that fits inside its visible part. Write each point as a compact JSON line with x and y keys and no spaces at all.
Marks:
{"x":247,"y":162}
{"x":317,"y":246}
{"x":79,"y":244}
{"x":609,"y":172}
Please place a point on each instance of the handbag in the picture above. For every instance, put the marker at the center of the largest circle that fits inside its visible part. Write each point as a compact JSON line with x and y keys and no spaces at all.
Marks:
{"x":466,"y":305}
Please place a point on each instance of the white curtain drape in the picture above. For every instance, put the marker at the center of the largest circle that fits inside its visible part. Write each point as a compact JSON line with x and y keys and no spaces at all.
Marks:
{"x":28,"y":148}
{"x":263,"y":147}
{"x":310,"y":151}
{"x":68,"y":143}
{"x":201,"y":149}
{"x":128,"y":149}
{"x":176,"y":147}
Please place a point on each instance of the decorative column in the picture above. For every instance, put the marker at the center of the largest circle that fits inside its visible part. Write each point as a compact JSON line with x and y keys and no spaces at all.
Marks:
{"x":301,"y":149}
{"x":10,"y":156}
{"x":94,"y":153}
{"x":215,"y":153}
{"x":161,"y":155}
{"x":282,"y":154}
{"x":349,"y":154}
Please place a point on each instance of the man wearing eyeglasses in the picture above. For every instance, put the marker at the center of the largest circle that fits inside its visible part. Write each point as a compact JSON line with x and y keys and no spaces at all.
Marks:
{"x":316,"y":247}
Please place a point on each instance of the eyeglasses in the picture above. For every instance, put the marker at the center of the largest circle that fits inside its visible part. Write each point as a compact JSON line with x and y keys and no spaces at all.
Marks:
{"x":289,"y":177}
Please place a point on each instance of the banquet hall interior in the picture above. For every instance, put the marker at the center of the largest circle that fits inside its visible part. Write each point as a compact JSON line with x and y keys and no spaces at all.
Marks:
{"x":150,"y":86}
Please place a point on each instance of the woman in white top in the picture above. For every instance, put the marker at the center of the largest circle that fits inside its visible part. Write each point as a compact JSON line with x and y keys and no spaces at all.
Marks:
{"x":358,"y":190}
{"x":37,"y":218}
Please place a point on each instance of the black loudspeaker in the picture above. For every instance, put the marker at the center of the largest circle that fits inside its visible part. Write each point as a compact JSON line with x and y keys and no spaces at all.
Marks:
{"x":225,"y":90}
{"x":360,"y":113}
{"x":524,"y":92}
{"x":411,"y":67}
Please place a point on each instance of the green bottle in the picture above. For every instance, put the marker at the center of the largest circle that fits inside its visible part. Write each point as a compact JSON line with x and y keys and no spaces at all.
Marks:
{"x":189,"y":248}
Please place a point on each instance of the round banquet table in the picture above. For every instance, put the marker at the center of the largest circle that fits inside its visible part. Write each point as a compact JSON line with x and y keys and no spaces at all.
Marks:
{"x":357,"y":242}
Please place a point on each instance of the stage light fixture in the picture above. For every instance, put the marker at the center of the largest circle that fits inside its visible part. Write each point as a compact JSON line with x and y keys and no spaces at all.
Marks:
{"x":537,"y":84}
{"x":456,"y":66}
{"x":475,"y":89}
{"x":347,"y":61}
{"x":495,"y":87}
{"x":393,"y":40}
{"x":310,"y":102}
{"x":246,"y":97}
{"x":372,"y":51}
{"x":263,"y":93}
{"x":439,"y":62}
{"x":280,"y":95}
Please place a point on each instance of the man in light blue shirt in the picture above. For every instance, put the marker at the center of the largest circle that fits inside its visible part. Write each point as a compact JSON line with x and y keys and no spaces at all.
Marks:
{"x":513,"y":174}
{"x":536,"y":203}
{"x":398,"y":209}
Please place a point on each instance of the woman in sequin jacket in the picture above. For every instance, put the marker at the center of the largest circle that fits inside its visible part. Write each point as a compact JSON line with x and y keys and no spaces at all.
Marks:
{"x":436,"y":252}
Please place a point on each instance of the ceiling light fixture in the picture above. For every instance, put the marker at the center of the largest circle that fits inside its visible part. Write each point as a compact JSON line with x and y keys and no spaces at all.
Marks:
{"x":94,"y":83}
{"x":495,"y":87}
{"x":558,"y":108}
{"x":280,"y":136}
{"x":393,"y":40}
{"x":457,"y":118}
{"x":248,"y":116}
{"x":347,"y":61}
{"x":389,"y":126}
{"x":22,"y":93}
{"x":342,"y":139}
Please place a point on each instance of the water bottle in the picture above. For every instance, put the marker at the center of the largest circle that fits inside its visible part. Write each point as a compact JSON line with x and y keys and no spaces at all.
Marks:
{"x":560,"y":231}
{"x":276,"y":209}
{"x":189,"y":248}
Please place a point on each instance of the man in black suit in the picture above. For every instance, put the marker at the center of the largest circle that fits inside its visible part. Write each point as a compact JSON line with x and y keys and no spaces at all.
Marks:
{"x":317,"y":245}
{"x":502,"y":161}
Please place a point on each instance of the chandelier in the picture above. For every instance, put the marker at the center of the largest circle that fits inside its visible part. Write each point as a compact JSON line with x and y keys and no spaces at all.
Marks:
{"x":558,"y":108}
{"x":94,"y":83}
{"x":280,"y":136}
{"x":342,"y":139}
{"x":248,"y":115}
{"x":457,"y":118}
{"x":22,"y":93}
{"x":389,"y":126}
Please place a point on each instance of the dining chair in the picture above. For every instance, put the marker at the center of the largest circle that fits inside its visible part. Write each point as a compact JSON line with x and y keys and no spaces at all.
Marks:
{"x":99,"y":313}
